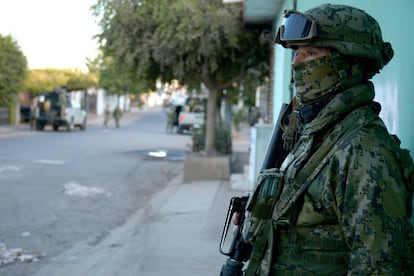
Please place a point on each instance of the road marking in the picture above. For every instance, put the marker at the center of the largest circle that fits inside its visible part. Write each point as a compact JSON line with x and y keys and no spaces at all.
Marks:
{"x":9,"y":168}
{"x":49,"y":162}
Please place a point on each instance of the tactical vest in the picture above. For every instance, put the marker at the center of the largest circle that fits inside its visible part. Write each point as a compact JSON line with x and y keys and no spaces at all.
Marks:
{"x":273,"y":208}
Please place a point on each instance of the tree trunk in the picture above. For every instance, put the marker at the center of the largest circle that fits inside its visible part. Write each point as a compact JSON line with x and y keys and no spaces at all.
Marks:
{"x":209,"y":148}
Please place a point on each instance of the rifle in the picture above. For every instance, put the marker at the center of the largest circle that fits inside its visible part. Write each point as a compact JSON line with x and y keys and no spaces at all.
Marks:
{"x":239,"y":250}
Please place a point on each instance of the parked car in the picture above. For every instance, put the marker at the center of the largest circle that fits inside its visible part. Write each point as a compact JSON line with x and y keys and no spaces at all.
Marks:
{"x":57,"y":109}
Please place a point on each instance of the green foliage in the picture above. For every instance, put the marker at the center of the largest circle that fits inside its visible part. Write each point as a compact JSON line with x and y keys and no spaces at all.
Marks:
{"x":180,"y":39}
{"x":81,"y":81}
{"x":13,"y":69}
{"x":250,"y":81}
{"x":194,"y":41}
{"x":238,"y":117}
{"x":222,"y":141}
{"x":119,"y":80}
{"x":40,"y":80}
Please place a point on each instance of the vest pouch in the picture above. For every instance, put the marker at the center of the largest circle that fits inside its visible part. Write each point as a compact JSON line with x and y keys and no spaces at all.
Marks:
{"x":264,"y":196}
{"x":258,"y":224}
{"x":259,"y":208}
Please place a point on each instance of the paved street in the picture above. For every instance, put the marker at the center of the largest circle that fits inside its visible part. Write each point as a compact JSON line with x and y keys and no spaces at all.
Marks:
{"x":177,"y":233}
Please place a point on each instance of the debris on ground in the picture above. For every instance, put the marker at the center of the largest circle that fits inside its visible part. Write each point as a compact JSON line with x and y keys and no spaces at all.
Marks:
{"x":72,"y":188}
{"x":10,"y":255}
{"x":26,"y":234}
{"x":9,"y":168}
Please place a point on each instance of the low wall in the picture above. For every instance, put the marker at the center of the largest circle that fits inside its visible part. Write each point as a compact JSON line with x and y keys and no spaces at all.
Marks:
{"x":197,"y":167}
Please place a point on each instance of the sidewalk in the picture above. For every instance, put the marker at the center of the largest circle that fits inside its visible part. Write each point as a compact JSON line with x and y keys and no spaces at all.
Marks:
{"x":181,"y":238}
{"x":178,"y":234}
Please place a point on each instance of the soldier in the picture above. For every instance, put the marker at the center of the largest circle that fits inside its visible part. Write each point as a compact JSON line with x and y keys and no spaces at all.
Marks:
{"x":34,"y":112}
{"x":62,"y":100}
{"x":171,"y":119}
{"x":107,"y":115}
{"x":345,"y":187}
{"x":254,"y":115}
{"x":117,"y":114}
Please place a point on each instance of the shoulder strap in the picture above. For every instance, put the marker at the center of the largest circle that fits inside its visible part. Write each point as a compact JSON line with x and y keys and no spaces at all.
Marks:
{"x":318,"y":160}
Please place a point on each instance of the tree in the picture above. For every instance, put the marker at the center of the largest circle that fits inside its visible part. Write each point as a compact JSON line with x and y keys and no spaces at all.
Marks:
{"x":79,"y":80}
{"x":115,"y":79}
{"x":193,"y":40}
{"x":41,"y":80}
{"x":13,"y":68}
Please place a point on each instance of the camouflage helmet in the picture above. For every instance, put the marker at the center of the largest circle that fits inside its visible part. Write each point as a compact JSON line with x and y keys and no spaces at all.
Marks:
{"x":349,"y":30}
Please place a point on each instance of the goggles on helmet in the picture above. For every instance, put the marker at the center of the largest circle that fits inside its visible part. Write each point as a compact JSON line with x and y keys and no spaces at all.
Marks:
{"x":296,"y":27}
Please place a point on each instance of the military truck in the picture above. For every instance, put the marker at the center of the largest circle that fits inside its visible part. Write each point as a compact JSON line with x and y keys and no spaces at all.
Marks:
{"x":192,"y":114}
{"x":58,"y":109}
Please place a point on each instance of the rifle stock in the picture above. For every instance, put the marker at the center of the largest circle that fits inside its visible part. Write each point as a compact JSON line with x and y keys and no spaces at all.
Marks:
{"x":240,"y":250}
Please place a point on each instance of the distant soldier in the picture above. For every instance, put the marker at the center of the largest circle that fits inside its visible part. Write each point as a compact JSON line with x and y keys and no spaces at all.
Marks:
{"x":171,"y":119}
{"x":34,"y":112}
{"x":107,"y":115}
{"x":254,"y":115}
{"x":117,"y":114}
{"x":62,"y":100}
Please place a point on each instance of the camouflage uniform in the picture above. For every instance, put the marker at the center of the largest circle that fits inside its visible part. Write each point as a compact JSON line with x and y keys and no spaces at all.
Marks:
{"x":107,"y":115}
{"x":341,"y":200}
{"x":117,"y":114}
{"x":171,"y":119}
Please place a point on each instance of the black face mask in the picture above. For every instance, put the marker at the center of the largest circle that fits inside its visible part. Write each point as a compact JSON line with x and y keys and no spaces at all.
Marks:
{"x":308,"y":112}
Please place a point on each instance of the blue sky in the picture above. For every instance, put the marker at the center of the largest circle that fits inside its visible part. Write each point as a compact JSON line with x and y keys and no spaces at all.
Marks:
{"x":51,"y":33}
